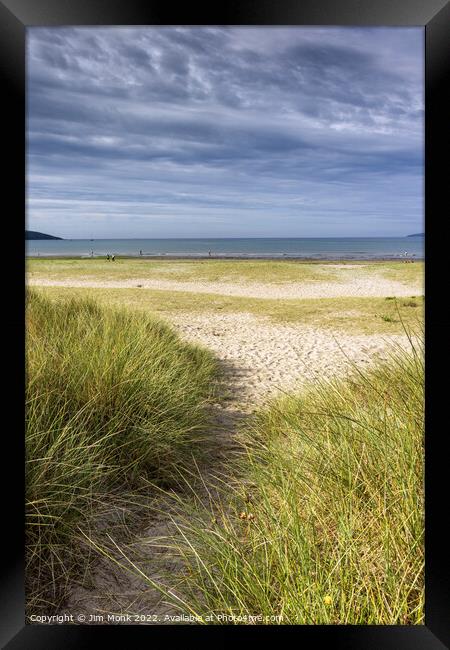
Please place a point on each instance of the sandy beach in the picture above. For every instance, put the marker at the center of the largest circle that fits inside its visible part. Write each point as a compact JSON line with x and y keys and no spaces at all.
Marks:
{"x":266,"y":358}
{"x":356,"y":286}
{"x":262,"y":357}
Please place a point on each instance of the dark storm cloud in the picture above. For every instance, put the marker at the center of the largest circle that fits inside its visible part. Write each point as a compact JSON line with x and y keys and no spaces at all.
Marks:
{"x":255,"y":125}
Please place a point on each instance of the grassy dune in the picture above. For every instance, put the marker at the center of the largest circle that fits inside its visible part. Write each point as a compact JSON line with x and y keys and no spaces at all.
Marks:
{"x":324,"y":524}
{"x":111,"y":396}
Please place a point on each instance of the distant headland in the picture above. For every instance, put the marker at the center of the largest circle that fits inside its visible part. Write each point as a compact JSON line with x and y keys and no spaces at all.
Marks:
{"x":32,"y":234}
{"x":417,"y":234}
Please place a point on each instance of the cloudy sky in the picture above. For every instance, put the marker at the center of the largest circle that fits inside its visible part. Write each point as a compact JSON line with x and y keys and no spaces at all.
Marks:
{"x":225,"y":131}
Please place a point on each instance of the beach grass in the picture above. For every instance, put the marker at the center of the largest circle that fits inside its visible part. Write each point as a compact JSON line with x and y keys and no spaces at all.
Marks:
{"x":321,"y":518}
{"x":259,"y":271}
{"x":112,"y":396}
{"x":355,"y":314}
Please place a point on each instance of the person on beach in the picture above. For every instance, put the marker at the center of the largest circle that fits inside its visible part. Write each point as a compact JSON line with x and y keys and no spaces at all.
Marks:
{"x":140,"y":253}
{"x":113,"y":258}
{"x":107,"y":256}
{"x":209,"y":253}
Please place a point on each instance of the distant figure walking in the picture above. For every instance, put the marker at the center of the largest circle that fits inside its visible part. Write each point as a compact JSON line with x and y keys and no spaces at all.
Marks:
{"x":113,"y":258}
{"x":140,"y":253}
{"x":92,"y":253}
{"x":209,"y":253}
{"x":107,"y":256}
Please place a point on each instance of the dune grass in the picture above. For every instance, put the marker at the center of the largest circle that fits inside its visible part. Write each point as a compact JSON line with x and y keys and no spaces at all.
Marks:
{"x":324,"y":522}
{"x":112,"y":396}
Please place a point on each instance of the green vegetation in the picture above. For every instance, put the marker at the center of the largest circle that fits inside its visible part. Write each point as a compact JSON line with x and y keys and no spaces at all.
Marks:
{"x":325,"y":521}
{"x":112,"y":396}
{"x":267,"y":271}
{"x":360,"y":315}
{"x":317,"y":518}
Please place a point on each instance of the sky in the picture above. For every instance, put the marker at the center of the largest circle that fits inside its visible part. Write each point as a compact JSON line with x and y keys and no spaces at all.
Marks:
{"x":225,"y":131}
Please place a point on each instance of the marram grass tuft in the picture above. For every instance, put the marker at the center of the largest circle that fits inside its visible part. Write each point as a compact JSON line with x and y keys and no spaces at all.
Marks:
{"x":111,"y":395}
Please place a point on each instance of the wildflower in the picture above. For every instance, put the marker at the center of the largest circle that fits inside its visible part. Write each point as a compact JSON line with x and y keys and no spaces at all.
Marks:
{"x":243,"y":515}
{"x":250,"y":516}
{"x":327,"y":600}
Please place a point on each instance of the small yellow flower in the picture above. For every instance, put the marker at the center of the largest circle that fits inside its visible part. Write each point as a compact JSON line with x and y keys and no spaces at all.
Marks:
{"x":243,"y":515}
{"x":250,"y":516}
{"x":327,"y":600}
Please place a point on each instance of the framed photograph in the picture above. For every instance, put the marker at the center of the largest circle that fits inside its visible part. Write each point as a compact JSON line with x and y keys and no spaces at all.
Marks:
{"x":233,"y":386}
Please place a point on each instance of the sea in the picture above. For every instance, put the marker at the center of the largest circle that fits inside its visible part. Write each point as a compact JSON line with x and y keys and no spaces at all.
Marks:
{"x":319,"y":248}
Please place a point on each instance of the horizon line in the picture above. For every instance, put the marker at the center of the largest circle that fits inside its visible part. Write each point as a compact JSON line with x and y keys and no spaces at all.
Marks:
{"x":236,"y":237}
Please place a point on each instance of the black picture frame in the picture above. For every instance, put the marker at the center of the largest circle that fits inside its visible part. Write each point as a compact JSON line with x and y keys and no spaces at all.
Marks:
{"x":434,"y":15}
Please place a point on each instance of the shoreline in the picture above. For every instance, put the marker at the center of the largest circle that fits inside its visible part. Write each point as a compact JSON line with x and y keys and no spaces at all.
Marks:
{"x":287,"y":258}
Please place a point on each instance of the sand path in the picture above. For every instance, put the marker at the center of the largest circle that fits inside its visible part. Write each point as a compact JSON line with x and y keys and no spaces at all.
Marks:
{"x":119,"y":592}
{"x":356,"y":286}
{"x":267,"y":358}
{"x":259,"y":359}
